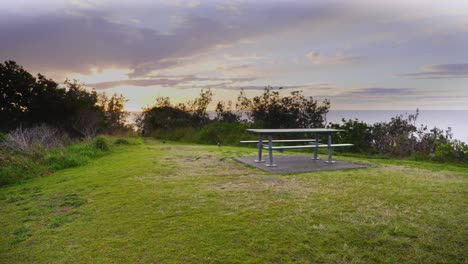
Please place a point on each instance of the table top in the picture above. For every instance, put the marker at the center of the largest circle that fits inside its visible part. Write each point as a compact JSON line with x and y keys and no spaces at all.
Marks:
{"x":293,"y":130}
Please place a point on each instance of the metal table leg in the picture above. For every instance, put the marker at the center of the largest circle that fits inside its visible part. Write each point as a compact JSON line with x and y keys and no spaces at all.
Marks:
{"x":330,"y":160}
{"x":316,"y":147}
{"x":270,"y":152}
{"x":260,"y":147}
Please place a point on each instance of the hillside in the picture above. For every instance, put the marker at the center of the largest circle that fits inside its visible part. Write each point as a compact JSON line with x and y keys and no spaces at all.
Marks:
{"x":177,"y":203}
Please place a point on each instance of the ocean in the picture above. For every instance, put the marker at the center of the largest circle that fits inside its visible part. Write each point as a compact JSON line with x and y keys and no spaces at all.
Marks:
{"x":457,"y":120}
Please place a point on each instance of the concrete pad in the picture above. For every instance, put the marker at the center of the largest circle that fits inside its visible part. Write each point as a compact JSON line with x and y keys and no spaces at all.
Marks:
{"x":297,"y":163}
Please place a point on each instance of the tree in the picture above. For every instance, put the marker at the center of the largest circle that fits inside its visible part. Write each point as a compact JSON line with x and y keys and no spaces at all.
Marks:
{"x":272,"y":110}
{"x":16,"y":91}
{"x":166,"y":116}
{"x":225,"y":114}
{"x":115,"y":115}
{"x":28,"y":101}
{"x":199,"y":106}
{"x":88,"y":122}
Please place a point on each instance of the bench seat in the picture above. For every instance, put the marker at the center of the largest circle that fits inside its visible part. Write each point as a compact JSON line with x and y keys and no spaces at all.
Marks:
{"x":279,"y":141}
{"x":309,"y":146}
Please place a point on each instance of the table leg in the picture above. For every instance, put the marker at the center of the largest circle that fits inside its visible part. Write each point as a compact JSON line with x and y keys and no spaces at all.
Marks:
{"x":316,"y":147}
{"x":270,"y":152}
{"x":330,"y":160}
{"x":260,"y":147}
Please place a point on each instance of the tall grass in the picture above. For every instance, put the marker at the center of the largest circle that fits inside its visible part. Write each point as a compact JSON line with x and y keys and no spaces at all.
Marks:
{"x":16,"y":167}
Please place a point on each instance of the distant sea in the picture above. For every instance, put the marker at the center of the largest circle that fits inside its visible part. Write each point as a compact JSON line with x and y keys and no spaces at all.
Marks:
{"x":457,"y":120}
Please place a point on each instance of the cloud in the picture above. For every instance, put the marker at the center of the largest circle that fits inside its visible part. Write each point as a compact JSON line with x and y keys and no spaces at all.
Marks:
{"x":242,"y":57}
{"x":169,"y":81}
{"x":304,"y":87}
{"x":371,"y":91}
{"x":319,"y":59}
{"x":441,"y":71}
{"x":77,"y":38}
{"x":78,"y":43}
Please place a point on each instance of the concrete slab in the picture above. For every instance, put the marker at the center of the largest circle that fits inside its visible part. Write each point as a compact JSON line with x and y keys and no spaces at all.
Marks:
{"x":299,"y":163}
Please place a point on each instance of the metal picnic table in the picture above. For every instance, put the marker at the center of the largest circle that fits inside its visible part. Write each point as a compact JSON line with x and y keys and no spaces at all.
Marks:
{"x":314,"y":143}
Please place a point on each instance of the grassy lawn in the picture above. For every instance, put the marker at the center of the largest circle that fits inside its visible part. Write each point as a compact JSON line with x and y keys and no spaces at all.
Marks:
{"x":176,"y":203}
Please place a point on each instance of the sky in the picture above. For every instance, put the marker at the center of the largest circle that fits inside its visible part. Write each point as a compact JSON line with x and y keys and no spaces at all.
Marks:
{"x":369,"y":55}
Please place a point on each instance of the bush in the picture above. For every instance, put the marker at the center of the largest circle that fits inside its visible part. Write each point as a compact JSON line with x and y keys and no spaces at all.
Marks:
{"x":400,"y":137}
{"x":30,"y":140}
{"x":275,"y":110}
{"x":223,"y":133}
{"x":451,"y":151}
{"x":101,"y":143}
{"x":357,"y":133}
{"x":185,"y":134}
{"x":121,"y":141}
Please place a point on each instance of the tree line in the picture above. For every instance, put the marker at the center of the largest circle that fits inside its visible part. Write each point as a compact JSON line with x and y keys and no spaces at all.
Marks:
{"x":28,"y":101}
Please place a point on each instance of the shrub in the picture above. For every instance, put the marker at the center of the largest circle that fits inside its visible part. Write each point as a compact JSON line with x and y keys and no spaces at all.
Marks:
{"x":357,"y":132}
{"x":274,"y":110}
{"x":451,"y":151}
{"x":185,"y":134}
{"x":101,"y":143}
{"x":121,"y":141}
{"x":27,"y":140}
{"x":223,"y":133}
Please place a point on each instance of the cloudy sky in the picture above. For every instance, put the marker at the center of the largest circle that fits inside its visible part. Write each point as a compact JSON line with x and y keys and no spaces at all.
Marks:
{"x":360,"y":54}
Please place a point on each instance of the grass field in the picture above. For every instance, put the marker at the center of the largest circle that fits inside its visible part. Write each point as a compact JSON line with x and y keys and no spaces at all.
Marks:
{"x":177,"y":203}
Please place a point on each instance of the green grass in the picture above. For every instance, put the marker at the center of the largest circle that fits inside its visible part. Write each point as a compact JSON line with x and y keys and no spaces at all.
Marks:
{"x":18,"y":167}
{"x":179,"y":203}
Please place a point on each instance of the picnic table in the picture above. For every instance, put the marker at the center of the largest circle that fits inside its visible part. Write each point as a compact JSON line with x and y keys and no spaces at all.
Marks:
{"x":310,"y":143}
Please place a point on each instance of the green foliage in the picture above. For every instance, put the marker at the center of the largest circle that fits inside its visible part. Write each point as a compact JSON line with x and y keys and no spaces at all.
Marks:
{"x":400,"y":137}
{"x":164,"y":116}
{"x":17,"y":167}
{"x":451,"y":151}
{"x":396,"y":137}
{"x":184,"y":134}
{"x":101,"y":143}
{"x":273,"y":110}
{"x":115,"y":115}
{"x":189,"y":122}
{"x":225,"y":114}
{"x":223,"y":133}
{"x":121,"y":141}
{"x":29,"y":101}
{"x":357,"y":132}
{"x":16,"y":88}
{"x":128,"y":141}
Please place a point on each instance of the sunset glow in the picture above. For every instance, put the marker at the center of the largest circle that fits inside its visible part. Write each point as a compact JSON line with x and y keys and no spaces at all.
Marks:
{"x":360,"y":54}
